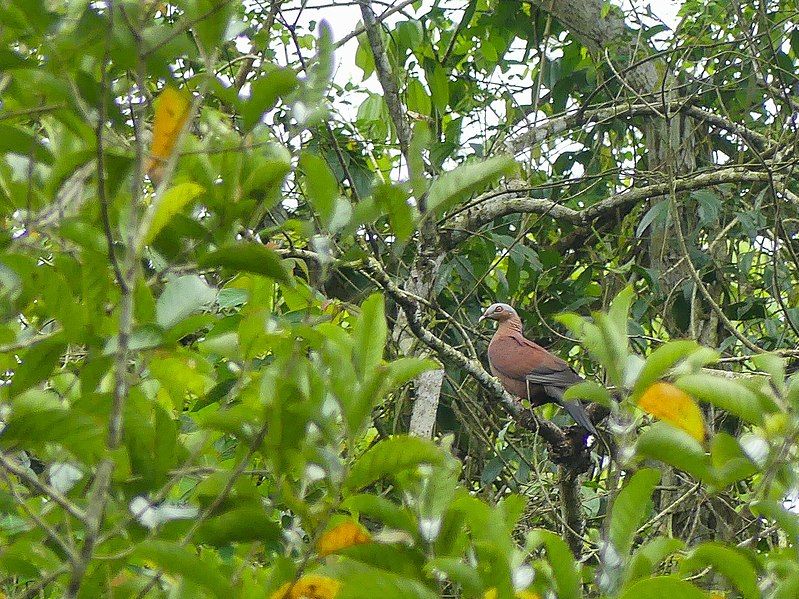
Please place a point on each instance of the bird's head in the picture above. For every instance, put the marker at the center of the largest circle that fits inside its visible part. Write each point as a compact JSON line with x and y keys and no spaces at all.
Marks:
{"x":498,"y":312}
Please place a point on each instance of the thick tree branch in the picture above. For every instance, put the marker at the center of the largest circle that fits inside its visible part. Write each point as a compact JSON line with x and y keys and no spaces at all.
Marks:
{"x":482,"y":213}
{"x":387,"y":80}
{"x":559,"y":124}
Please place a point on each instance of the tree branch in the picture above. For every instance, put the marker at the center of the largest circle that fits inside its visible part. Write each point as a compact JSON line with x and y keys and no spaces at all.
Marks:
{"x":579,"y":118}
{"x":562,"y":442}
{"x":484,"y":212}
{"x":387,"y":80}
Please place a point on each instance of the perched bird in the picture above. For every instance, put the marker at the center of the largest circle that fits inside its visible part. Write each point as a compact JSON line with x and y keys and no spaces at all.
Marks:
{"x":526,"y":369}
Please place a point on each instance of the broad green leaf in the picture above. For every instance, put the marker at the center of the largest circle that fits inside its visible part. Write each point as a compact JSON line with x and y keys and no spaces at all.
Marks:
{"x":402,"y":370}
{"x":663,"y":586}
{"x":16,"y":140}
{"x":631,"y":507}
{"x":210,"y":21}
{"x":181,"y":298}
{"x":364,"y":59}
{"x":590,"y":391}
{"x":731,"y":562}
{"x":774,"y":366}
{"x":663,"y":442}
{"x":455,"y":185}
{"x":620,"y":309}
{"x":561,"y":559}
{"x":439,"y":87}
{"x":382,"y":509}
{"x":248,"y":256}
{"x":457,"y":572}
{"x":648,"y":556}
{"x":659,"y":362}
{"x":265,"y":91}
{"x":36,"y":364}
{"x":361,"y":580}
{"x":369,"y":334}
{"x":393,"y":201}
{"x":658,"y":212}
{"x":321,"y":187}
{"x":774,"y":510}
{"x":171,"y":202}
{"x":730,"y":463}
{"x":417,"y":99}
{"x":182,"y":561}
{"x":240,"y":525}
{"x":391,"y":456}
{"x":723,"y":393}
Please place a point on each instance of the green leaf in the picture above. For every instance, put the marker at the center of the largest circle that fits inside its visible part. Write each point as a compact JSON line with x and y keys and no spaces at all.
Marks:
{"x":364,"y":59}
{"x":663,"y":586}
{"x":171,"y":202}
{"x":265,"y":92}
{"x":631,"y":508}
{"x":671,"y":445}
{"x":182,"y":561}
{"x":774,"y":365}
{"x":455,"y":185}
{"x":241,"y":525}
{"x":724,"y":393}
{"x":248,"y":256}
{"x":381,"y":509}
{"x":15,"y":140}
{"x":774,"y":510}
{"x":210,"y":20}
{"x":730,"y":463}
{"x":620,"y":309}
{"x":405,"y":369}
{"x":321,"y":187}
{"x":393,"y":201}
{"x":369,"y":334}
{"x":391,"y":456}
{"x":649,"y":556}
{"x":658,"y":212}
{"x":564,"y":566}
{"x":181,"y":298}
{"x":439,"y":87}
{"x":659,"y":362}
{"x":36,"y":364}
{"x":590,"y":391}
{"x":732,"y":563}
{"x":417,"y":99}
{"x":457,"y":572}
{"x":361,"y":580}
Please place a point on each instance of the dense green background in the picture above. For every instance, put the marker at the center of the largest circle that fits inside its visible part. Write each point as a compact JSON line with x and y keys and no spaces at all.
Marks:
{"x":201,"y":377}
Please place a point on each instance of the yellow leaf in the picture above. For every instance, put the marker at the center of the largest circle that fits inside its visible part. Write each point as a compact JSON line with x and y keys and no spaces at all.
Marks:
{"x":339,"y":537}
{"x":309,"y":586}
{"x":171,"y":111}
{"x":666,"y":402}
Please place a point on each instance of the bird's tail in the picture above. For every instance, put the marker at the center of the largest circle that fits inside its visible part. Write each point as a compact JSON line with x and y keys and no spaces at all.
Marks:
{"x":577,"y":411}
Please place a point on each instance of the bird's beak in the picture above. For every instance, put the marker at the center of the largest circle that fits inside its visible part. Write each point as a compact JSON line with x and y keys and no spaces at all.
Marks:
{"x":481,"y":319}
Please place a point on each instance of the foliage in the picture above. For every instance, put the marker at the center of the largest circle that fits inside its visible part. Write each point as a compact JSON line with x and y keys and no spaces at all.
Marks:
{"x":226,"y":274}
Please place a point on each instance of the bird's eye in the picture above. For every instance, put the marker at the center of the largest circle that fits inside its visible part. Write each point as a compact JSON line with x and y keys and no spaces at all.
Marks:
{"x":498,"y":309}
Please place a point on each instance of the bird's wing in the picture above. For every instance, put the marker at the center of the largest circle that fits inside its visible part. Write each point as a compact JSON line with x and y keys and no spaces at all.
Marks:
{"x":521,"y":359}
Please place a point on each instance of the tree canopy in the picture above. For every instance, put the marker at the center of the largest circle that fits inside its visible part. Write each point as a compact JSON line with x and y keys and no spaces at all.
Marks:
{"x":239,"y":296}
